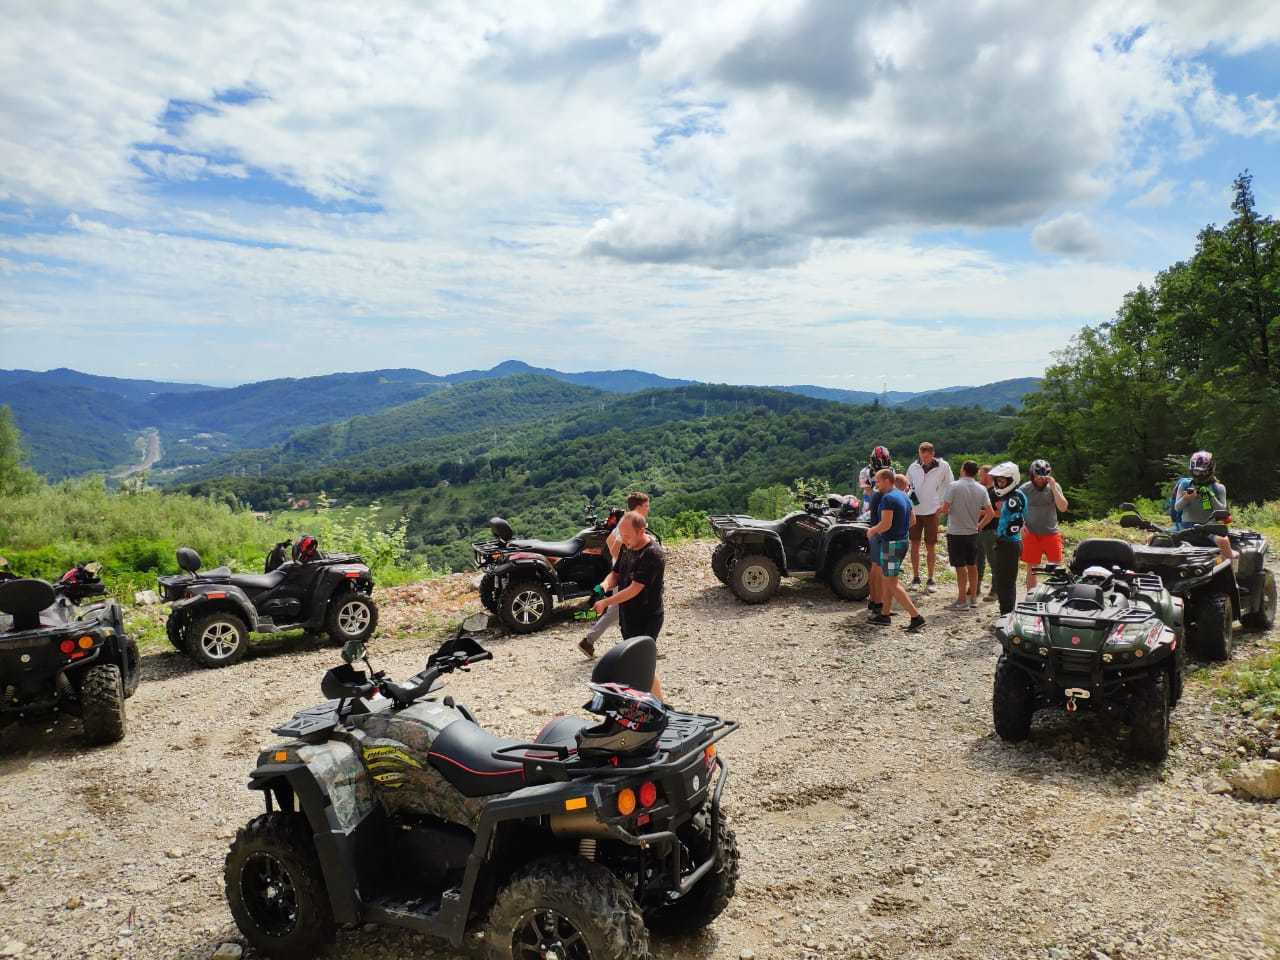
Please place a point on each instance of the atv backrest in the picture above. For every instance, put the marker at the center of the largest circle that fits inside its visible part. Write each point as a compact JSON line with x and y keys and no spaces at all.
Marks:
{"x":24,"y":599}
{"x":188,"y":560}
{"x":632,"y":663}
{"x":1103,"y":553}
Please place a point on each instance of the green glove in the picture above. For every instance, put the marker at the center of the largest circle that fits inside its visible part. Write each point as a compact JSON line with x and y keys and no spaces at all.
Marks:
{"x":597,"y":591}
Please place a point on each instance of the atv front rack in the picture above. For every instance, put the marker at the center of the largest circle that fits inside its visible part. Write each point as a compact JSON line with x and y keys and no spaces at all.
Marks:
{"x":554,"y":761}
{"x":1040,"y":609}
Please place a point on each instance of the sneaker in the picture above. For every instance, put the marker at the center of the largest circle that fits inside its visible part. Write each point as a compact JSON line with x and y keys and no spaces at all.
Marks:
{"x":915,"y":626}
{"x":973,"y":603}
{"x":930,"y":586}
{"x":873,"y":606}
{"x":915,"y":583}
{"x":880,"y":620}
{"x":989,"y":598}
{"x":958,"y":605}
{"x":878,"y":613}
{"x":588,"y":648}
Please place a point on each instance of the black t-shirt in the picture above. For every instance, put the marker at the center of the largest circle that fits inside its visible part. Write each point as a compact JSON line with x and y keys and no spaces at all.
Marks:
{"x":995,"y":505}
{"x":645,"y":566}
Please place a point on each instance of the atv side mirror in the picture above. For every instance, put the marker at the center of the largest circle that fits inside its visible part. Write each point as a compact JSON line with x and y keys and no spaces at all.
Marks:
{"x":1130,"y":520}
{"x":354,"y":650}
{"x":1129,"y":507}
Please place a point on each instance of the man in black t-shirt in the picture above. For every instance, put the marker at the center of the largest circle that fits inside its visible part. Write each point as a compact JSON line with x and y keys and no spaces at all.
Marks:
{"x":637,"y":575}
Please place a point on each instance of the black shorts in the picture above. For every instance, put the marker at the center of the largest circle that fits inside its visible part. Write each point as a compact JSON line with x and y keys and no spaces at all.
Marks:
{"x":640,"y":625}
{"x":962,"y":550}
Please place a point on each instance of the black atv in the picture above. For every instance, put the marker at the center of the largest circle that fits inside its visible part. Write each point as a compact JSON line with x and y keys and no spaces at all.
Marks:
{"x":214,"y":612}
{"x":389,"y":804}
{"x":1217,"y":592}
{"x":825,"y":539}
{"x":1099,"y":636}
{"x":55,"y":654}
{"x":523,"y":580}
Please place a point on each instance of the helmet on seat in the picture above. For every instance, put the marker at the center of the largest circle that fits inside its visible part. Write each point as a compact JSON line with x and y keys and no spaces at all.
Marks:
{"x":1202,"y":465}
{"x":633,"y":722}
{"x":306,"y":549}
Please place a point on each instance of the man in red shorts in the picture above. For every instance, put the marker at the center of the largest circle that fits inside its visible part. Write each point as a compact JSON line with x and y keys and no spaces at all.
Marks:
{"x":1041,"y":538}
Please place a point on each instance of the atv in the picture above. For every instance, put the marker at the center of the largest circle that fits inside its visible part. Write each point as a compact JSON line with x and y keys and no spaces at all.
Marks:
{"x":1217,"y":592}
{"x":389,"y":804}
{"x":1099,"y":636}
{"x":55,"y":654}
{"x":214,"y":612}
{"x":523,"y":580}
{"x":825,"y":539}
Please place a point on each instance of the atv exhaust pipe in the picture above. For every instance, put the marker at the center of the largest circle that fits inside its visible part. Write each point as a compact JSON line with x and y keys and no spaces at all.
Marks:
{"x":579,"y":823}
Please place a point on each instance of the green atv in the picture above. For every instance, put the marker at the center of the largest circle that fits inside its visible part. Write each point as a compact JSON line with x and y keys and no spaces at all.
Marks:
{"x":1097,"y":636}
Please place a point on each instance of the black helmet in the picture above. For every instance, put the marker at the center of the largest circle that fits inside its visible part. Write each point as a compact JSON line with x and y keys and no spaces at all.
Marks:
{"x":633,"y":722}
{"x":306,"y":549}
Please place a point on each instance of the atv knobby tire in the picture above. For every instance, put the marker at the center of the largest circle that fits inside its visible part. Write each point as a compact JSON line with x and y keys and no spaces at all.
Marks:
{"x":754,"y":578}
{"x":272,"y":870}
{"x":133,"y":657}
{"x":722,"y":562}
{"x":1149,"y":732}
{"x":352,"y":616}
{"x":1264,"y":618}
{"x":709,"y":897}
{"x":525,"y":606}
{"x":175,"y":629}
{"x":851,"y":576}
{"x":1213,"y":626}
{"x":217,"y":640}
{"x":102,"y":704}
{"x":567,"y":895}
{"x":1013,"y":702}
{"x":488,"y":595}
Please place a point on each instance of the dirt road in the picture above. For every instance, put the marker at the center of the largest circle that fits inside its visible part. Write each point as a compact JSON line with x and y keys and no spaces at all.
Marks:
{"x":150,"y":455}
{"x":878,"y":815}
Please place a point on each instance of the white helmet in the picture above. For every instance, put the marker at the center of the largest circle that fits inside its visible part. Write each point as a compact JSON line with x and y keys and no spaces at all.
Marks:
{"x":1007,"y":470}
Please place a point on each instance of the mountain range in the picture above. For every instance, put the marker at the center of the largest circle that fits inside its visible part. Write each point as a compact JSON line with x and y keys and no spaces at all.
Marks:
{"x":75,"y":422}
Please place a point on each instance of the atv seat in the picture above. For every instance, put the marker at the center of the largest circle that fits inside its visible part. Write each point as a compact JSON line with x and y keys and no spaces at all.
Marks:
{"x":463,"y":754}
{"x":551,"y":548}
{"x":217,"y":573}
{"x":1085,"y":596}
{"x":259,"y":581}
{"x":1103,"y":553}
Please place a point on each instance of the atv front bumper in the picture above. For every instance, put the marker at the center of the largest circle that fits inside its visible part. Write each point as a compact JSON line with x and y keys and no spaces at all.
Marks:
{"x":1060,"y":679}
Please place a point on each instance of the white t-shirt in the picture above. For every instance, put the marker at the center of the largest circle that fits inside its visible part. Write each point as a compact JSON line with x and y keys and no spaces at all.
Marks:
{"x":930,"y":485}
{"x":864,"y":479}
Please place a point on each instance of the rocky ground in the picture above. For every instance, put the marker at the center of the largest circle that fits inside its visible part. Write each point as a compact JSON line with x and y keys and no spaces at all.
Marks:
{"x":877,"y":813}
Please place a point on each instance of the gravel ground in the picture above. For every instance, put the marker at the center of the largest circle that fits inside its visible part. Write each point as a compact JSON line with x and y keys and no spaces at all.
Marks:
{"x":877,"y":813}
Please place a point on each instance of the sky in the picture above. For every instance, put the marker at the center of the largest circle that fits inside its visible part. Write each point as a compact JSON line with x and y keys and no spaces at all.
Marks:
{"x":858,"y":195}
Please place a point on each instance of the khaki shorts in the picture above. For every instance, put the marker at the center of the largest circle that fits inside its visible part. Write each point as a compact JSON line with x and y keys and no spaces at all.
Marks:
{"x":926,"y":527}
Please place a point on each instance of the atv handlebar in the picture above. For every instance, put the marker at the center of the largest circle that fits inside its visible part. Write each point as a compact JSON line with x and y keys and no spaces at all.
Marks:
{"x":436,"y":667}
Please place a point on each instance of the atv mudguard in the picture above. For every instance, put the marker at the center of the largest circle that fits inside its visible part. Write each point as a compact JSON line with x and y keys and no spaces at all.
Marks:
{"x":839,"y":539}
{"x":1222,"y":579}
{"x":212,"y":597}
{"x":532,"y":566}
{"x":330,"y":583}
{"x":752,"y":540}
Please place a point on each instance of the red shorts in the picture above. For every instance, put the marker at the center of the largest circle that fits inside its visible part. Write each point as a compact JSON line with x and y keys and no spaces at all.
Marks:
{"x":1038,"y":546}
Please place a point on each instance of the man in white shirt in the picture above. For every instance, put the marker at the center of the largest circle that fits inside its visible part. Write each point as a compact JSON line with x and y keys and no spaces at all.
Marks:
{"x":930,"y":477}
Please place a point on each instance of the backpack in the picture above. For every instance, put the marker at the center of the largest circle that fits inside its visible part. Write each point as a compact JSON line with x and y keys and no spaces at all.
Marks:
{"x":1179,"y":488}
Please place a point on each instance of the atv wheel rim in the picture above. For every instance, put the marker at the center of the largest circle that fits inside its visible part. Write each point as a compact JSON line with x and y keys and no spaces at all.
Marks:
{"x":854,"y":576}
{"x":548,"y":935}
{"x":1269,"y":600}
{"x":269,"y":894}
{"x":219,"y":640}
{"x":528,"y":607}
{"x":353,"y":617}
{"x":755,"y":579}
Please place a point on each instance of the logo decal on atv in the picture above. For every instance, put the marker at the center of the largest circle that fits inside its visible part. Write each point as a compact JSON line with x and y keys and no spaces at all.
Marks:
{"x":1075,"y":641}
{"x":377,"y":758}
{"x":391,"y":781}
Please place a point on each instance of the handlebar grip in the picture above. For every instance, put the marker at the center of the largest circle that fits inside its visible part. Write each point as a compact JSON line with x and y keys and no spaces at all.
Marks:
{"x":486,"y":655}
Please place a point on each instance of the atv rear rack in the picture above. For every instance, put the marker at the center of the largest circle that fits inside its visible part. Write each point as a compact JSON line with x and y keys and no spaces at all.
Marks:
{"x":553,"y":760}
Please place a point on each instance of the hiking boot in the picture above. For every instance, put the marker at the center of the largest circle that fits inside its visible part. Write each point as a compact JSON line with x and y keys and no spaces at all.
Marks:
{"x":881,"y":620}
{"x":916,"y":625}
{"x":588,"y":648}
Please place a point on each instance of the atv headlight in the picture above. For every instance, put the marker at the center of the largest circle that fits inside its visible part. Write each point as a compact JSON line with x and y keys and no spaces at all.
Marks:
{"x":1028,"y":627}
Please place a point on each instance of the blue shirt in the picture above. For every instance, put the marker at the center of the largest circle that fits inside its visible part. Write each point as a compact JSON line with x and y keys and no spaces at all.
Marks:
{"x":900,"y":504}
{"x":1012,"y":518}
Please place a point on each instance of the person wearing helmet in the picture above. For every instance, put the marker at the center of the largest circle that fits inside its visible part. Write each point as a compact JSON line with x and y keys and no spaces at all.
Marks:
{"x":1198,"y":497}
{"x":893,"y":528}
{"x":878,"y":460}
{"x":1012,"y":504}
{"x":1041,"y":538}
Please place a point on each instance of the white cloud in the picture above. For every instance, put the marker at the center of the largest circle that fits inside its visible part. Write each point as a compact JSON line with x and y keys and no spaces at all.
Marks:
{"x":1069,"y":235}
{"x":1161,"y":195}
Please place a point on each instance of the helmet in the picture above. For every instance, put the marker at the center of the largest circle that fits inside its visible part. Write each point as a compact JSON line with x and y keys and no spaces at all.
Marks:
{"x":306,"y":549}
{"x":1202,"y":465}
{"x":880,"y":458}
{"x":633,"y":722}
{"x":1008,"y":472}
{"x":1040,"y":468}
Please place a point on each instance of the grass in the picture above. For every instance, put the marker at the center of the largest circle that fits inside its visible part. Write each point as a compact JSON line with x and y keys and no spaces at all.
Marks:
{"x":1251,"y":686}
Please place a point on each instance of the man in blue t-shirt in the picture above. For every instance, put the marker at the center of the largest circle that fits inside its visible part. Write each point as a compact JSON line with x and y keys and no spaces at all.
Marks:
{"x":893,"y":530}
{"x":1012,"y":504}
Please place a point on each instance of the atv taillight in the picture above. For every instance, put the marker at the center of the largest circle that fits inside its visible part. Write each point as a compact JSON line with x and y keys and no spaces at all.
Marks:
{"x":710,"y":755}
{"x":353,"y":574}
{"x":67,"y":646}
{"x":648,"y":794}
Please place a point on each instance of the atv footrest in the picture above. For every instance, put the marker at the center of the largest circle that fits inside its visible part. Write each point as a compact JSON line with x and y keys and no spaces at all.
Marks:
{"x":424,"y":915}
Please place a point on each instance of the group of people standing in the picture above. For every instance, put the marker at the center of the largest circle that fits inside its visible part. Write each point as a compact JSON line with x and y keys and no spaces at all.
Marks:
{"x":993,"y":520}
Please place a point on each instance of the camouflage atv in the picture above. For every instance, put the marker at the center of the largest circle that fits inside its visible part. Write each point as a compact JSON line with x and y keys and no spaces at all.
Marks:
{"x":390,"y":805}
{"x":1097,"y":636}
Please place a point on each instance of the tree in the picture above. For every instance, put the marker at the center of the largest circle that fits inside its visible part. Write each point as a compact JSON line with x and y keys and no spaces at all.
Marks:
{"x":16,"y":478}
